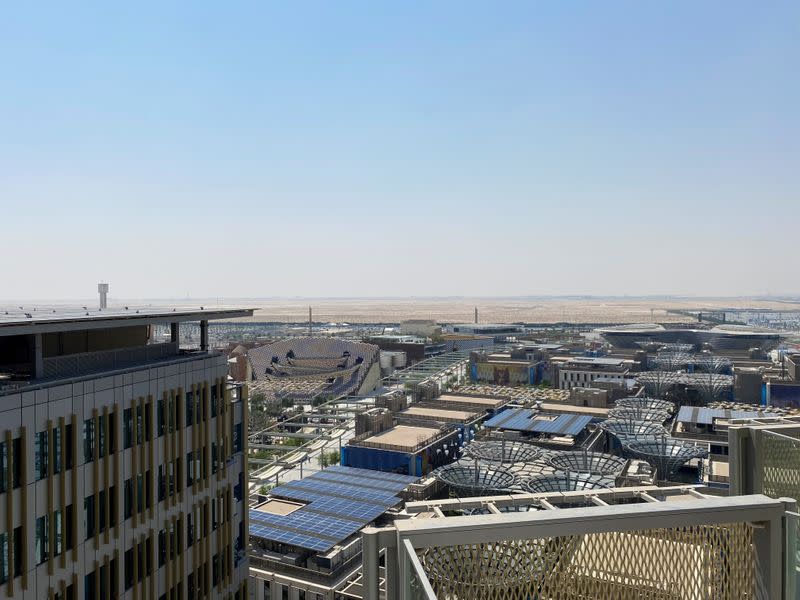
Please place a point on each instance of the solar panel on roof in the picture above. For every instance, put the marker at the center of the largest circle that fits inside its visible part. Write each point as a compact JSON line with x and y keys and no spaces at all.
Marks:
{"x":341,"y":500}
{"x":522,"y":419}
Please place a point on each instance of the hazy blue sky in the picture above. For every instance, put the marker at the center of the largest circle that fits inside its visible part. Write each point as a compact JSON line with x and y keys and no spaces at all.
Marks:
{"x":443,"y":148}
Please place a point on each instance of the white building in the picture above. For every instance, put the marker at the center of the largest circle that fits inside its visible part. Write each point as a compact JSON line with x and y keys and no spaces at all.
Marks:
{"x":123,"y":470}
{"x":581,"y":371}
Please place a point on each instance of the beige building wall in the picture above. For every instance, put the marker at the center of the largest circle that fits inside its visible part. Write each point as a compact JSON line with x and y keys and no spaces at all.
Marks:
{"x":55,"y":503}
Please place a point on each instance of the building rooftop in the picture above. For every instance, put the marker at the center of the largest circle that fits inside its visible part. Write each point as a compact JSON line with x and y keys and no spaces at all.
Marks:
{"x":706,"y":416}
{"x":595,"y":360}
{"x":326,"y":508}
{"x":524,"y":419}
{"x":443,"y":414}
{"x":43,"y":320}
{"x":404,"y":436}
{"x":488,"y":401}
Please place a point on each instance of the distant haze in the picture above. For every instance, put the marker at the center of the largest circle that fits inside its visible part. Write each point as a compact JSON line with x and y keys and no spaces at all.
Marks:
{"x":380,"y":149}
{"x":455,"y":310}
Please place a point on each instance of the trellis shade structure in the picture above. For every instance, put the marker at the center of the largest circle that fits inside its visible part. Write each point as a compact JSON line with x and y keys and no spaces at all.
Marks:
{"x":584,"y":461}
{"x":503,"y":451}
{"x":639,"y":414}
{"x":476,"y":479}
{"x":567,"y":482}
{"x":646,"y":403}
{"x":624,"y":429}
{"x":665,"y":454}
{"x":710,"y":548}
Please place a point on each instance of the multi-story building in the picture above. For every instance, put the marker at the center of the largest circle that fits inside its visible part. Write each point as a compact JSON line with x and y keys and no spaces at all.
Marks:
{"x":581,"y":371}
{"x":122,"y":462}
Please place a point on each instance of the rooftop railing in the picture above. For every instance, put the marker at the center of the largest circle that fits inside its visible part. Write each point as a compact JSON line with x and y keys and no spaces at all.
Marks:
{"x":582,"y":545}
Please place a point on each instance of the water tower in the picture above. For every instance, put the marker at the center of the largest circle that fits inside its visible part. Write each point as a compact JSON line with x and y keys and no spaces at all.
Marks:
{"x":102,"y":288}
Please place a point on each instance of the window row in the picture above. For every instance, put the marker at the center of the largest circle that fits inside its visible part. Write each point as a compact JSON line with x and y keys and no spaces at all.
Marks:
{"x":104,"y":578}
{"x":62,"y":451}
{"x":99,"y":431}
{"x":95,"y":511}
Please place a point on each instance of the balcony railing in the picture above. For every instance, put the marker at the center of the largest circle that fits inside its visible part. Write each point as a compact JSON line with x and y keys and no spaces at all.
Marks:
{"x":93,"y":362}
{"x":704,"y":547}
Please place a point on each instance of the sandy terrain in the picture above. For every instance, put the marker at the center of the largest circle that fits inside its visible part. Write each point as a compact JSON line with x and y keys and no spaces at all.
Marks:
{"x":499,"y":310}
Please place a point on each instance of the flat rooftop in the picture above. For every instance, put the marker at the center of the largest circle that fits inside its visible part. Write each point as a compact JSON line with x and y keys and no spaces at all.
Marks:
{"x":488,"y":401}
{"x":405,"y":436}
{"x":43,"y":320}
{"x":595,"y":360}
{"x":327,"y":507}
{"x":563,"y":408}
{"x":524,"y":419}
{"x":444,"y":414}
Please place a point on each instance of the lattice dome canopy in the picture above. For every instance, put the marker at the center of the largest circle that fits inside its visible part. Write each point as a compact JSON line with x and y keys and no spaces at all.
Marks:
{"x":646,"y":403}
{"x":472,"y":479}
{"x":624,"y":429}
{"x":588,"y":462}
{"x":666,"y":454}
{"x":567,"y":482}
{"x":506,"y":452}
{"x":639,"y":414}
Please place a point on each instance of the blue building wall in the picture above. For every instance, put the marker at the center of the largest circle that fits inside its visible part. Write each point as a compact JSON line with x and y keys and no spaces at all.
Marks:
{"x":379,"y":460}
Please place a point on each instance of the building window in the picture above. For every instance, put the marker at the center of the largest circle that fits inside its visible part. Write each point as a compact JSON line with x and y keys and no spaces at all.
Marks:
{"x":127,"y":427}
{"x":68,"y":458}
{"x":101,"y":435}
{"x":40,"y":548}
{"x":189,"y":408}
{"x":142,"y":424}
{"x":58,"y":448}
{"x":160,"y":418}
{"x":4,"y":450}
{"x":88,"y":516}
{"x":88,"y":440}
{"x":4,"y":570}
{"x":189,"y":468}
{"x":40,"y":453}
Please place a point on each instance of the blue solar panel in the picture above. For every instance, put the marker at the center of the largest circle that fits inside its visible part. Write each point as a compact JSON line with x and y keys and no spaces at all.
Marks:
{"x":340,"y":501}
{"x":329,"y":488}
{"x":521,"y":419}
{"x":369,"y":474}
{"x":705,"y":416}
{"x":390,"y":487}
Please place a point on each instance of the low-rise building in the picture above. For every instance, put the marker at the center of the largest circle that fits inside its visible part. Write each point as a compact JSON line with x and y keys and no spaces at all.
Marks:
{"x":404,"y":449}
{"x":581,"y":371}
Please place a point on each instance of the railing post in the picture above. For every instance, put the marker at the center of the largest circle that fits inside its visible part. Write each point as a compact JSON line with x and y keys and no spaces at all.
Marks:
{"x":369,"y":563}
{"x":791,"y":549}
{"x":768,"y":543}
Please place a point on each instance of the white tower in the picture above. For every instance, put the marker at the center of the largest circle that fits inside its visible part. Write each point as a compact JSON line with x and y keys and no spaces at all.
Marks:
{"x":103,"y":289}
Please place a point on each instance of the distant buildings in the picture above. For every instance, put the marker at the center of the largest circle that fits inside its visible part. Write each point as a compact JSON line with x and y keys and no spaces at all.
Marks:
{"x":501,"y":332}
{"x":721,"y":337}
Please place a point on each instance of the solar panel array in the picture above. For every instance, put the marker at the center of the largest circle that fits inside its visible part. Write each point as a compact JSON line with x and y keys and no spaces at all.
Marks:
{"x":340,"y":501}
{"x":522,"y":419}
{"x":705,"y":416}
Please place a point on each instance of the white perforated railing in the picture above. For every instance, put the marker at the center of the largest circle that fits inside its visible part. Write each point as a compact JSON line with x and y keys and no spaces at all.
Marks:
{"x":701,"y":548}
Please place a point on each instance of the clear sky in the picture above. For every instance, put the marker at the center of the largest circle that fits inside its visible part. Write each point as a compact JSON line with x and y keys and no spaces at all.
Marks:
{"x":375,"y":148}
